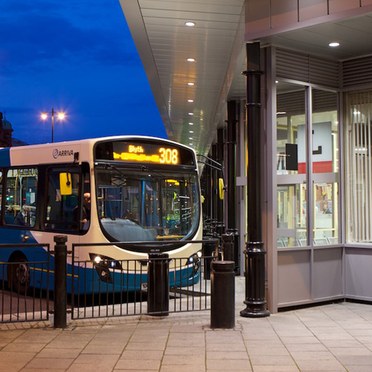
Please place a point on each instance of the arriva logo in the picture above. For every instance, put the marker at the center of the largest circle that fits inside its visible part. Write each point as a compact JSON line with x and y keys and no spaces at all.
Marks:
{"x":57,"y":153}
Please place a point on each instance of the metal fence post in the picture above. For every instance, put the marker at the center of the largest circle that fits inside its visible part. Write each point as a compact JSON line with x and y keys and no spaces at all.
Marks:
{"x":208,"y":249}
{"x":158,"y":284}
{"x":223,"y":294}
{"x":228,"y":246}
{"x":60,"y":295}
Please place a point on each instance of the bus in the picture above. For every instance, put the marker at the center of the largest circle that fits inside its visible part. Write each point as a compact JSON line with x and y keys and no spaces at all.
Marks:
{"x":112,"y":190}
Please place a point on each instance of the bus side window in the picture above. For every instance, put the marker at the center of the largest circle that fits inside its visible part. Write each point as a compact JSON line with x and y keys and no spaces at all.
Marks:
{"x":20,"y":196}
{"x":61,"y":204}
{"x":1,"y":190}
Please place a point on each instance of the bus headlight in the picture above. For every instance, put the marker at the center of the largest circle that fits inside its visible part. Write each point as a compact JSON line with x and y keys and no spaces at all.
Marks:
{"x":103,"y":264}
{"x":195,"y":261}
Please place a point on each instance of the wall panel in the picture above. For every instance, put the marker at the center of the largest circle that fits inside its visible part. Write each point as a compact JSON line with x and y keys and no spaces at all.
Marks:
{"x":336,"y":6}
{"x":358,"y":273}
{"x":283,"y":13}
{"x":293,"y":277}
{"x":270,"y":17}
{"x":312,"y":9}
{"x":327,"y":273}
{"x":306,"y":68}
{"x":257,"y":15}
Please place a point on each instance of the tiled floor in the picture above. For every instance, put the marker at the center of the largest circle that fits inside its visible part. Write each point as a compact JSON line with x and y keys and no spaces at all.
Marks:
{"x":336,"y":337}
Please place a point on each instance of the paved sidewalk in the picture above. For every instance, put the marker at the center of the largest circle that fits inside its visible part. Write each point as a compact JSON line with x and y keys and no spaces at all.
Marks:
{"x":336,"y":337}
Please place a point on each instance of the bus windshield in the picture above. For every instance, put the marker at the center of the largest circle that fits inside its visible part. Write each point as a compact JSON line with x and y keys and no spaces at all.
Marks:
{"x":134,"y":205}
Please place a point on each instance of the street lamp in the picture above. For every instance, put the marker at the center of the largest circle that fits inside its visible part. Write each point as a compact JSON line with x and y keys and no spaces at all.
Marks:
{"x":59,"y":115}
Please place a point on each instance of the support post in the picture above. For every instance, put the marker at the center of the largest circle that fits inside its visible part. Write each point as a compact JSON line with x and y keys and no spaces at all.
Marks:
{"x":60,"y":293}
{"x":214,"y":180}
{"x":231,"y":136}
{"x":254,"y":253}
{"x":219,"y":159}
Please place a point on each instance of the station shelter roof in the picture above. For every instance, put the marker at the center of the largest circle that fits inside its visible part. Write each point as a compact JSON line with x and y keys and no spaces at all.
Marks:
{"x":195,"y":69}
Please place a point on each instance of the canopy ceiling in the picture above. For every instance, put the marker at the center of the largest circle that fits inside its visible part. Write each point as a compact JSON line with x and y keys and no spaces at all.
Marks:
{"x":216,"y":43}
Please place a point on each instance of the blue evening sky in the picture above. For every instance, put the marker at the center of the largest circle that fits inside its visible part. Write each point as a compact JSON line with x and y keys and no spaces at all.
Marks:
{"x":75,"y":55}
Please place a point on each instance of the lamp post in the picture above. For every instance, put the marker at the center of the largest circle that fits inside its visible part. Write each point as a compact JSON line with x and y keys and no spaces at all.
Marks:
{"x":59,"y":115}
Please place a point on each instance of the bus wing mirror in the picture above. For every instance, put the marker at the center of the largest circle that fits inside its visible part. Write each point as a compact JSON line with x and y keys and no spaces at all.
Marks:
{"x":221,"y":188}
{"x":65,"y":183}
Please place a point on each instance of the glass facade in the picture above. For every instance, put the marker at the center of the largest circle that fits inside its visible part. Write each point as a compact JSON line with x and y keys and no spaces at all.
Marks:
{"x":291,"y":166}
{"x":307,"y":166}
{"x":358,"y":164}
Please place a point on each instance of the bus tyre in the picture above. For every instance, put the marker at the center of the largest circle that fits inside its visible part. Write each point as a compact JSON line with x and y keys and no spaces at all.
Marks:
{"x":18,"y":274}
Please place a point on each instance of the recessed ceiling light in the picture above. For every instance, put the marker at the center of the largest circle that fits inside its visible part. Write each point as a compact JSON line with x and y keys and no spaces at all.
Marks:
{"x":190,"y":84}
{"x":190,"y":59}
{"x":191,"y":123}
{"x":191,"y":131}
{"x":190,"y":100}
{"x":334,"y":44}
{"x":190,"y":138}
{"x":191,"y":113}
{"x":189,"y":24}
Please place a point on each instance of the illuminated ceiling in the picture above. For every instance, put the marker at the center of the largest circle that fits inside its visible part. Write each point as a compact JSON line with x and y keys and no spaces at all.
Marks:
{"x":216,"y":45}
{"x":164,"y":43}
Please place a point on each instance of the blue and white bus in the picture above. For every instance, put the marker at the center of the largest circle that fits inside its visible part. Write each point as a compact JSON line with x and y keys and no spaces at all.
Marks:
{"x":134,"y":188}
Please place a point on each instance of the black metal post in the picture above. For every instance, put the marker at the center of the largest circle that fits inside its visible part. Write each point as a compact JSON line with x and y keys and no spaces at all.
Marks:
{"x":231,"y":136}
{"x":207,"y":205}
{"x":228,"y":246}
{"x":254,"y":253}
{"x":214,"y":180}
{"x":158,"y":284}
{"x":222,"y":294}
{"x":208,"y":249}
{"x":60,"y":295}
{"x":219,"y":159}
{"x":231,"y":164}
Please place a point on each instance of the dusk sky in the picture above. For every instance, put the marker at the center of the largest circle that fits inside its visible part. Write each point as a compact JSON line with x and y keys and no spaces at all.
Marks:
{"x":75,"y":55}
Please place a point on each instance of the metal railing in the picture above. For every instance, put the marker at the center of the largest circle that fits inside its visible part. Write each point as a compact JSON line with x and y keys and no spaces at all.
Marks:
{"x":158,"y":285}
{"x":24,"y":286}
{"x":154,"y":286}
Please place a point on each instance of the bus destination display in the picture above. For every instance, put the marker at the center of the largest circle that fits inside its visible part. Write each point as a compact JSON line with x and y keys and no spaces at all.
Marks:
{"x":148,"y":154}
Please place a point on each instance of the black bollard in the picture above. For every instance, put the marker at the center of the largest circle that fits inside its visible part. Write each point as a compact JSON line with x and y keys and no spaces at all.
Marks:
{"x":158,"y":284}
{"x":255,"y":282}
{"x":60,"y":295}
{"x":223,"y":294}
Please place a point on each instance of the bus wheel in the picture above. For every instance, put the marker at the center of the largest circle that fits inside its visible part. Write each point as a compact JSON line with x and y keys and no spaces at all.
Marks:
{"x":18,"y":274}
